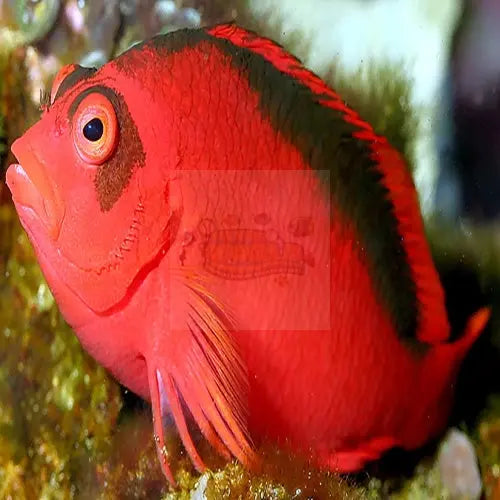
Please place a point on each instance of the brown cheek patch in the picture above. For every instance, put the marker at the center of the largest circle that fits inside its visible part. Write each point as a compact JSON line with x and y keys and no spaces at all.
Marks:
{"x":114,"y":176}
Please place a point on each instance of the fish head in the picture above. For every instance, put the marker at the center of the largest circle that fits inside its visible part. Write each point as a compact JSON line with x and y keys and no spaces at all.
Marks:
{"x":92,"y":188}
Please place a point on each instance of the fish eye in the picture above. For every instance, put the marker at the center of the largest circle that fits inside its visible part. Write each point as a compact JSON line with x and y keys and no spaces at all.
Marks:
{"x":95,"y":129}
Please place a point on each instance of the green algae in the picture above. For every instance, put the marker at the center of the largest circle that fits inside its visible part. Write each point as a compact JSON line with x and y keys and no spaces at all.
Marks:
{"x":4,"y":64}
{"x":58,"y":407}
{"x":487,"y":438}
{"x":16,"y":109}
{"x":424,"y":485}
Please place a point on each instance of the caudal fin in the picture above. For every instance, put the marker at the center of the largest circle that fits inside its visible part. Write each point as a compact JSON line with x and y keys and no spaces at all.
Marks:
{"x":473,"y":328}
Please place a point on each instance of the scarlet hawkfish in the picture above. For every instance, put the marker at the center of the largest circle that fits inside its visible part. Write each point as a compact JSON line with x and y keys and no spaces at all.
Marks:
{"x":233,"y":243}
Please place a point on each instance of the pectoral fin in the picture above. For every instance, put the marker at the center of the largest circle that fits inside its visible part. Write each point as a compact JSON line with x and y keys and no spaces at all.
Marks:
{"x":205,"y":372}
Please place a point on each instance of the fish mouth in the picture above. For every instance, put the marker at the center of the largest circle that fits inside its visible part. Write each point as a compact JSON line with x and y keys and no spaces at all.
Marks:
{"x":32,"y":189}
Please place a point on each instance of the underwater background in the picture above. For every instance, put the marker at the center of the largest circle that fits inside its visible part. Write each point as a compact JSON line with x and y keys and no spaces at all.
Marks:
{"x":426,"y":74}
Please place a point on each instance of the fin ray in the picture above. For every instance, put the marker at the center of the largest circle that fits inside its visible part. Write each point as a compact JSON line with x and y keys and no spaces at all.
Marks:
{"x":180,"y":420}
{"x":204,"y":367}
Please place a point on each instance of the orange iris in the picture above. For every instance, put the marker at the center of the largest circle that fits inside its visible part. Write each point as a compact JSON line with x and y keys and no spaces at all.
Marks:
{"x":95,"y":129}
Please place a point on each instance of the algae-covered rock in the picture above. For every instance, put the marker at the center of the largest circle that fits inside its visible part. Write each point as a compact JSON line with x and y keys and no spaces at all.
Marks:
{"x":488,"y":445}
{"x":16,"y":110}
{"x":58,"y":407}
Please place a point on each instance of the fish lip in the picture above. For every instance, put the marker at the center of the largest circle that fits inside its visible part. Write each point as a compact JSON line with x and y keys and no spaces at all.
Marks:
{"x":35,"y":192}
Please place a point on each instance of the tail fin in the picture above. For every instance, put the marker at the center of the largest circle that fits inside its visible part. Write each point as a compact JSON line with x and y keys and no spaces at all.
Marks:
{"x":473,"y":328}
{"x":438,"y":378}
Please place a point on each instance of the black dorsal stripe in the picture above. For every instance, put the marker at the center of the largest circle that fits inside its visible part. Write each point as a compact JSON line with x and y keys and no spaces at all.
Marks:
{"x":326,"y":142}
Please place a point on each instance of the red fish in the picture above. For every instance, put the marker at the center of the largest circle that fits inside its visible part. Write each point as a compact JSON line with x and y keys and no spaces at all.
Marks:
{"x":233,"y":242}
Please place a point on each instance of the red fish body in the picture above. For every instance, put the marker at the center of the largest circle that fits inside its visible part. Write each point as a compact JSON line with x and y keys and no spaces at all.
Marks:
{"x":225,"y":235}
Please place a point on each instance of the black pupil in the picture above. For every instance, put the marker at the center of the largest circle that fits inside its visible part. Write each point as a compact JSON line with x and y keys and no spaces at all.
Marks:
{"x":93,"y":130}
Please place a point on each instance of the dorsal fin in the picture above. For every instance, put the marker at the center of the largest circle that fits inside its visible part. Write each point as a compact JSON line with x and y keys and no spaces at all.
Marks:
{"x":389,"y":218}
